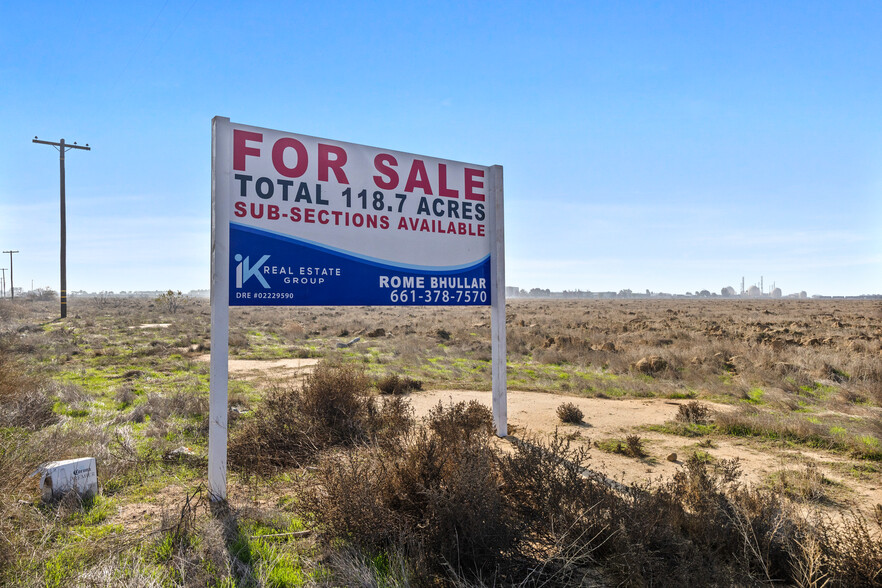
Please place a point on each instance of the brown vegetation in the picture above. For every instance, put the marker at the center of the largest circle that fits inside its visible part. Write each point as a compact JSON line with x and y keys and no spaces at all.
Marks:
{"x":335,"y":484}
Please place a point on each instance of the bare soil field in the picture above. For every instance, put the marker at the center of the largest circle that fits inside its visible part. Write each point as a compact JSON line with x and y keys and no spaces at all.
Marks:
{"x":762,"y":404}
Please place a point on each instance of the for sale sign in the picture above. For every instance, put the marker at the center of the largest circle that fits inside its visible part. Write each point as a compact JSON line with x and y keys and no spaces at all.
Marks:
{"x":320,"y":222}
{"x":298,"y":220}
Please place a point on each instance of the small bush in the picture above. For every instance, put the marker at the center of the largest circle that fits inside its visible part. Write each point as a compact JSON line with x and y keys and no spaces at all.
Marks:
{"x":693,"y":412}
{"x":395,"y":384}
{"x":570,"y":413}
{"x":460,"y":422}
{"x":635,"y":446}
{"x":238,"y":341}
{"x":332,"y":407}
{"x":435,"y":491}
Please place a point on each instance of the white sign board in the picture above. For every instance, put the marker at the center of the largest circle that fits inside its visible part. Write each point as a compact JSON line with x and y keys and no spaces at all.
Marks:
{"x":299,"y":220}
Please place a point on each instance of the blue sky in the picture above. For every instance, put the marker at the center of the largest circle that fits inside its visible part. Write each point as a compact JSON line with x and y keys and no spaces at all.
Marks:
{"x":664,"y":146}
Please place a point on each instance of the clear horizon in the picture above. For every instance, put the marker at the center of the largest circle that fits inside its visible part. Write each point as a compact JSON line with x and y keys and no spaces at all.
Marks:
{"x":673,"y":147}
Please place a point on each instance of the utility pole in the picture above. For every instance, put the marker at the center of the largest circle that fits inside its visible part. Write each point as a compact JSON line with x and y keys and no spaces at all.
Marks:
{"x":62,"y":147}
{"x":11,"y":283}
{"x":3,"y":283}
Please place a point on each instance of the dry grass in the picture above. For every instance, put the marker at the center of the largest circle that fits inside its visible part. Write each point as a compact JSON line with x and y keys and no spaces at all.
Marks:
{"x":24,"y":401}
{"x":396,"y":502}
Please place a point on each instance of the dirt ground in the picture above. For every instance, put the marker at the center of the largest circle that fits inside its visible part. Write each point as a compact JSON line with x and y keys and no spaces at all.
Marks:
{"x":266,"y":369}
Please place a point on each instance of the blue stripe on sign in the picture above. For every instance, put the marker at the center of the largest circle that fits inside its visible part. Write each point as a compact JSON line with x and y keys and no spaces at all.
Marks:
{"x":268,"y":269}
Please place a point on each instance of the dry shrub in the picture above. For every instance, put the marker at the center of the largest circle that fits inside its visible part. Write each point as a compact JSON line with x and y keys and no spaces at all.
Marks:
{"x":434,"y":493}
{"x":693,"y":412}
{"x":852,"y":550}
{"x":702,"y":528}
{"x":446,"y":503}
{"x":9,"y":311}
{"x":635,"y":446}
{"x":293,"y":330}
{"x":570,"y":413}
{"x":462,"y":421}
{"x":395,"y":384}
{"x":125,"y":395}
{"x":574,"y":520}
{"x":238,"y":341}
{"x":19,"y":456}
{"x":333,"y":407}
{"x":338,"y":399}
{"x":191,"y":549}
{"x":545,"y":484}
{"x":30,"y":411}
{"x":394,"y":419}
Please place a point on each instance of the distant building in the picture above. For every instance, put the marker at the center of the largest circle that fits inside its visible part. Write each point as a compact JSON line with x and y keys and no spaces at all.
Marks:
{"x":727,"y":291}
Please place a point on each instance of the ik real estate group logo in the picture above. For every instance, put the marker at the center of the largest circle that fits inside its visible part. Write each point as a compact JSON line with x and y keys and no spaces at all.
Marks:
{"x":245,"y":271}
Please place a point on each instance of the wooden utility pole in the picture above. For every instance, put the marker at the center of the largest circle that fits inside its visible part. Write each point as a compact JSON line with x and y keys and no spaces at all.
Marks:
{"x":62,"y":147}
{"x":11,"y":283}
{"x":3,"y":283}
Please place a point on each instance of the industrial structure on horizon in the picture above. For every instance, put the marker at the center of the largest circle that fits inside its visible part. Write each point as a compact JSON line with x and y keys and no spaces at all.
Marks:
{"x":753,"y":291}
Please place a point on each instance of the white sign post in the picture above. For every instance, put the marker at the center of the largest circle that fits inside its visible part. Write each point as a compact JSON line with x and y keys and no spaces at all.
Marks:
{"x":299,"y":220}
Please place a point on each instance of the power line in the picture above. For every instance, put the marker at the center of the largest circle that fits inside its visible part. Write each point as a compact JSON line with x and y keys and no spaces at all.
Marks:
{"x":62,"y":148}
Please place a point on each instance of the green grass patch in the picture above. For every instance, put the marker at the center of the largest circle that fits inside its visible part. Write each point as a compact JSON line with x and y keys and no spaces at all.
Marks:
{"x":817,"y":391}
{"x":755,"y":396}
{"x":62,"y":566}
{"x":688,"y":395}
{"x":632,"y":446}
{"x":703,"y":456}
{"x":271,"y":552}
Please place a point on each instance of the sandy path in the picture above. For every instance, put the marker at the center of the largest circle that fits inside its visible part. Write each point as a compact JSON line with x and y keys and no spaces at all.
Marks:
{"x":266,"y":368}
